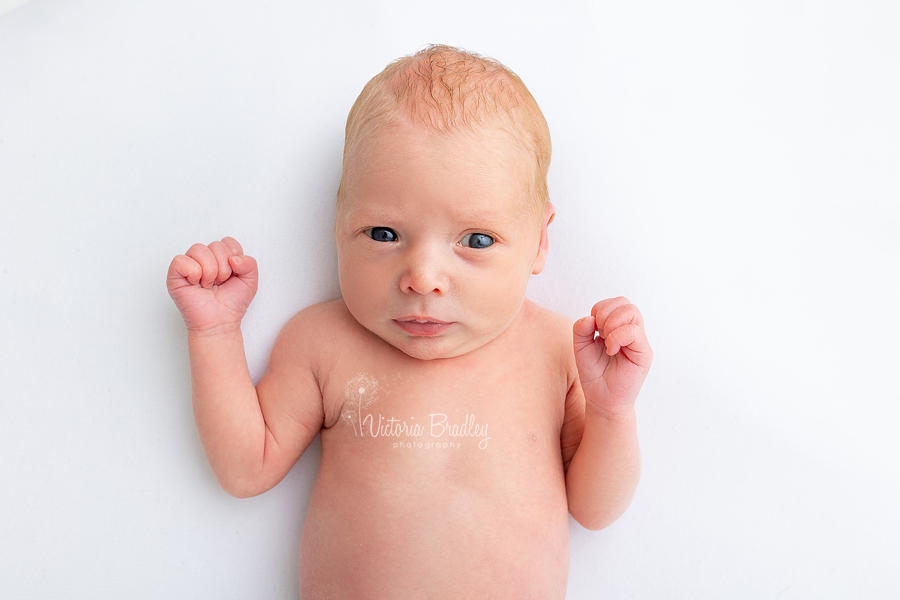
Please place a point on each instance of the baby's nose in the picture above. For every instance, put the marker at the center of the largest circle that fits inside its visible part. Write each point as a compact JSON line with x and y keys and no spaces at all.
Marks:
{"x":425,"y":272}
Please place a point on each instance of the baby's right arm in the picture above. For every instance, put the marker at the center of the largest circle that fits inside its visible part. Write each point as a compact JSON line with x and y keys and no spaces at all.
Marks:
{"x":252,"y":436}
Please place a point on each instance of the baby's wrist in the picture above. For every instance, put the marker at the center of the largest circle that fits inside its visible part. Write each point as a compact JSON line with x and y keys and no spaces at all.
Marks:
{"x":615,"y":414}
{"x":217,"y":330}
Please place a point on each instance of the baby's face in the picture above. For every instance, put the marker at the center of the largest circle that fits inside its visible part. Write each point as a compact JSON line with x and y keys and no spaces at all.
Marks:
{"x":436,"y":240}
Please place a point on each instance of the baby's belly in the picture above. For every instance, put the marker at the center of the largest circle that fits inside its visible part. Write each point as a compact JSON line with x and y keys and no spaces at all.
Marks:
{"x":436,"y":522}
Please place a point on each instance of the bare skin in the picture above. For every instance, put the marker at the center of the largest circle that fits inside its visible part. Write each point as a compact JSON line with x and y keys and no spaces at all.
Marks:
{"x":403,"y":513}
{"x":459,"y":422}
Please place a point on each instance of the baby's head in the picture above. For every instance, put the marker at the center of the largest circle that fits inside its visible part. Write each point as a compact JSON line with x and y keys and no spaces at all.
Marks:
{"x":443,"y":207}
{"x":450,"y":92}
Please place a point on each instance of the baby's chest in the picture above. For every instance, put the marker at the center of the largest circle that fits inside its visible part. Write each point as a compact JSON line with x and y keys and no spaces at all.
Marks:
{"x":470,"y":412}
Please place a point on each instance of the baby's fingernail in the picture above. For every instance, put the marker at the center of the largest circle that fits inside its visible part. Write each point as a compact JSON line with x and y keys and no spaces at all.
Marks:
{"x":238,"y":259}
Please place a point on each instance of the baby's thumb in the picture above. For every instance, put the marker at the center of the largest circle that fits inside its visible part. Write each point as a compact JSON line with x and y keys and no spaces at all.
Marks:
{"x":583,"y":333}
{"x":588,"y":358}
{"x":245,"y":268}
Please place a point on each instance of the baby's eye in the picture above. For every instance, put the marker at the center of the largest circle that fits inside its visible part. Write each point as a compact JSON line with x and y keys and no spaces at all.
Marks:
{"x":476,"y":240}
{"x":382,"y":234}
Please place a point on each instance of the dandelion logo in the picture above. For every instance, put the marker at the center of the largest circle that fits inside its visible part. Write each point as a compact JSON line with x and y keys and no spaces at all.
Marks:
{"x":360,"y":393}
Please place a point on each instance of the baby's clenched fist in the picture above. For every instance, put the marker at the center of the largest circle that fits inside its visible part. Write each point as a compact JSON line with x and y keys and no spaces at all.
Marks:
{"x":213,"y":285}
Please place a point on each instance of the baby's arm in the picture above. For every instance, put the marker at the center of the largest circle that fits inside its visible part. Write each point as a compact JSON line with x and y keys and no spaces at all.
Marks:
{"x":603,"y":473}
{"x":252,"y":436}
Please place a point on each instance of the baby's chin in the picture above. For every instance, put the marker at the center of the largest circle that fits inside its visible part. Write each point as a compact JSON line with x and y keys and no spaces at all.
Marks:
{"x":431,"y":348}
{"x":421,"y":354}
{"x":438,"y":347}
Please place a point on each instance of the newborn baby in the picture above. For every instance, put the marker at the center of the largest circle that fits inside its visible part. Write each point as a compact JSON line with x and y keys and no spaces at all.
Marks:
{"x":459,"y":423}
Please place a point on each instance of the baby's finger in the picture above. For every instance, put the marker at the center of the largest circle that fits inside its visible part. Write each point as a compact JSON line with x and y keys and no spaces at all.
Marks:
{"x":631,"y":340}
{"x":625,"y":314}
{"x":222,"y":254}
{"x":233,"y":245}
{"x":183,"y":268}
{"x":207,"y":261}
{"x":604,"y":308}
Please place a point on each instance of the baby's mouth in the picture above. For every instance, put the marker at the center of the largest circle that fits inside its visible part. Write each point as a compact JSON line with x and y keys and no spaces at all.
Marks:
{"x":422,"y":326}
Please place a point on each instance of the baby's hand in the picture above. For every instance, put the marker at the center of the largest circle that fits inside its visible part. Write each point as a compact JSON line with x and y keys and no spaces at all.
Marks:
{"x":613,"y":366}
{"x":212,"y":286}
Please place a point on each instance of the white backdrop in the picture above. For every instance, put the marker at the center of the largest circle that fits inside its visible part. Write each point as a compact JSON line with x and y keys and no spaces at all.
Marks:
{"x":732,"y":168}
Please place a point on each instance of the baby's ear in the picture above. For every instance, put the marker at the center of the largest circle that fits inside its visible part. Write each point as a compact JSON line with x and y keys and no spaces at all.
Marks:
{"x":544,"y":245}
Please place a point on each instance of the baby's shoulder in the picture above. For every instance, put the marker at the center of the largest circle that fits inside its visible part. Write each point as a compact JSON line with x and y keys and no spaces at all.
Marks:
{"x":547,"y":324}
{"x":552,"y":334}
{"x":549,"y":331}
{"x":315,"y":337}
{"x":325,"y":322}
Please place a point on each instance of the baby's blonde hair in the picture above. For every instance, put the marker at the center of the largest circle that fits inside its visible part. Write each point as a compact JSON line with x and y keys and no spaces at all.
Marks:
{"x":450,"y":90}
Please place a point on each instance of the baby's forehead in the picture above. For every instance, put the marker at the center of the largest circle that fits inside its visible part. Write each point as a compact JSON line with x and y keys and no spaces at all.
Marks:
{"x":487,"y":143}
{"x":486,"y":164}
{"x":498,"y":204}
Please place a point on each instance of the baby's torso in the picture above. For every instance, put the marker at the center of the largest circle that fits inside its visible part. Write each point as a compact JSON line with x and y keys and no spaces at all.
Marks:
{"x":441,"y":479}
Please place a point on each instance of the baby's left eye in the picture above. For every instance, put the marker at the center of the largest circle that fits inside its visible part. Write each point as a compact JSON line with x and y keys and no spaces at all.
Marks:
{"x":476,"y":240}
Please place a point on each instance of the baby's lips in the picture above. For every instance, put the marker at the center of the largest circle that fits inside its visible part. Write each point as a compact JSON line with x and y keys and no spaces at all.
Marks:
{"x":424,"y":327}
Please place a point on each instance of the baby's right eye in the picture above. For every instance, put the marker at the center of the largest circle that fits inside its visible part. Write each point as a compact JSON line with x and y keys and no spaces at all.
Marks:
{"x":382,"y":234}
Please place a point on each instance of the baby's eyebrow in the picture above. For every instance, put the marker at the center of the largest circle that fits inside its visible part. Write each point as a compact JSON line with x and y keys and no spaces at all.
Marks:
{"x":482,"y":218}
{"x":370,"y":215}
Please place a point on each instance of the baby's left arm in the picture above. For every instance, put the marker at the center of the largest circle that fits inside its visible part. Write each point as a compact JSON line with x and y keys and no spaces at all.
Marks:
{"x":604,"y":471}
